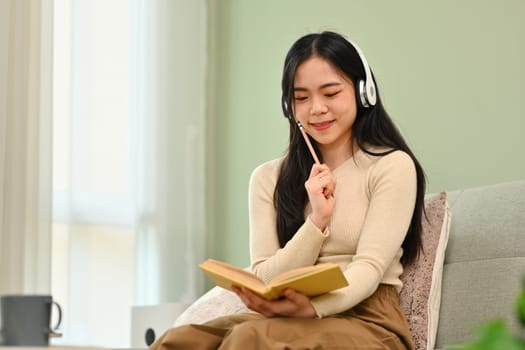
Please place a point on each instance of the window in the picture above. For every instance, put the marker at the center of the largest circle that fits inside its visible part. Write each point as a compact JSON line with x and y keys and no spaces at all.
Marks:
{"x":121,"y":235}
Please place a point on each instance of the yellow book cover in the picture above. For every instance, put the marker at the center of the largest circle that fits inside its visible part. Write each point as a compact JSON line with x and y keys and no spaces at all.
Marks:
{"x":310,"y":280}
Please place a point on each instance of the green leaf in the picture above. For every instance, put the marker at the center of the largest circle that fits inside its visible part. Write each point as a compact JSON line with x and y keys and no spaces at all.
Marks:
{"x":521,"y":306}
{"x":495,"y":336}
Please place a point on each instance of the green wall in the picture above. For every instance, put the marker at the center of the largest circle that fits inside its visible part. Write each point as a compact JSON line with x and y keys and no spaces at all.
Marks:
{"x":451,"y":74}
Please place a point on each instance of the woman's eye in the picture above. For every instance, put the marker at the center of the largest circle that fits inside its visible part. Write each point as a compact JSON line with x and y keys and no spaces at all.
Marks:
{"x":332,"y":94}
{"x":300,"y":98}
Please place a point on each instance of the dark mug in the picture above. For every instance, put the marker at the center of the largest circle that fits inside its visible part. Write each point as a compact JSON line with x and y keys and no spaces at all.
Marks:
{"x":26,"y":319}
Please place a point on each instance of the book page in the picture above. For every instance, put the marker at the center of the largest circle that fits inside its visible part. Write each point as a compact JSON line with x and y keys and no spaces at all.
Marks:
{"x":301,"y":271}
{"x":232,"y":273}
{"x":310,"y":281}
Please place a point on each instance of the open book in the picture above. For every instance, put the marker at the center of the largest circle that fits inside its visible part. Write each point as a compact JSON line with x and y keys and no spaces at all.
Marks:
{"x":310,"y":280}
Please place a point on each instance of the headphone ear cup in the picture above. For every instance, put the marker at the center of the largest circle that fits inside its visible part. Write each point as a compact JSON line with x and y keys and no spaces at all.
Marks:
{"x":362,"y":100}
{"x":366,"y":95}
{"x":370,"y":94}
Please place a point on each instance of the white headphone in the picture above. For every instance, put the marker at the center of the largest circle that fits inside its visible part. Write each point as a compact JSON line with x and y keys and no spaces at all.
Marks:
{"x":366,"y":89}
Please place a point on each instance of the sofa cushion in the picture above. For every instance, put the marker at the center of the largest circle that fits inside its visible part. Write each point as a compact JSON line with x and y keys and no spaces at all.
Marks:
{"x":484,"y":262}
{"x":475,"y":293}
{"x":421,"y":294}
{"x":215,"y":303}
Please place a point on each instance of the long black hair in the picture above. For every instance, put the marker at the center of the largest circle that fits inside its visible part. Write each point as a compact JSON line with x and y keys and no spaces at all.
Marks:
{"x":372,"y":127}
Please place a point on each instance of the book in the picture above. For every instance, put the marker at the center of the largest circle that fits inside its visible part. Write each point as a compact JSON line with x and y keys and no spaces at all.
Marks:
{"x":309,"y":280}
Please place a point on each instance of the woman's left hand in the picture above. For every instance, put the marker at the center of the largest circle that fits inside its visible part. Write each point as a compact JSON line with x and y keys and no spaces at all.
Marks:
{"x":293,"y":304}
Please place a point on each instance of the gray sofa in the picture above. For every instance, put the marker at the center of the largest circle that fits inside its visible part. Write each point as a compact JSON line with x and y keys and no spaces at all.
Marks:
{"x":484,"y":262}
{"x":483,"y":270}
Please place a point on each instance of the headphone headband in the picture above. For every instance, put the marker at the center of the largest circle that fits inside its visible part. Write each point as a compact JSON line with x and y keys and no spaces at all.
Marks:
{"x":367,"y":88}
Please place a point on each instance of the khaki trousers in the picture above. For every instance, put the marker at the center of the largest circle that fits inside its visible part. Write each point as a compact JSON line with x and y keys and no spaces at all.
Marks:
{"x":376,"y":323}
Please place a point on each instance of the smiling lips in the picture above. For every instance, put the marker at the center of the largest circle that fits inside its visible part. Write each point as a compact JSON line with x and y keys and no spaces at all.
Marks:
{"x":322,"y":125}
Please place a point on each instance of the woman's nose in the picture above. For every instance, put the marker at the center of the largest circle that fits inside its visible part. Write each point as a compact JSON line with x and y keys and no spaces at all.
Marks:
{"x":318,"y":107}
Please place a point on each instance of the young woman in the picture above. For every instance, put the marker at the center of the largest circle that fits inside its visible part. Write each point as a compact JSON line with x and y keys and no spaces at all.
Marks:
{"x":360,"y":206}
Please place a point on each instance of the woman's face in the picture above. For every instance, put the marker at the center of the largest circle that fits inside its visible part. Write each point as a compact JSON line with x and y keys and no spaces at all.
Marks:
{"x":324,"y":103}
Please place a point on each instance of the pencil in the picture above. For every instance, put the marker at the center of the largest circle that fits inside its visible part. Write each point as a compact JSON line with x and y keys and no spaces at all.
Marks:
{"x":308,"y":143}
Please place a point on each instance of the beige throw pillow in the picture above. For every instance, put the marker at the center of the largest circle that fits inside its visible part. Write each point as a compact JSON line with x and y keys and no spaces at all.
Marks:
{"x":215,"y":303}
{"x":421,"y":294}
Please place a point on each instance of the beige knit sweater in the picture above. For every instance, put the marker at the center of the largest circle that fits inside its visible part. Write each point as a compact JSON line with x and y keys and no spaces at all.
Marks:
{"x":375,"y":199}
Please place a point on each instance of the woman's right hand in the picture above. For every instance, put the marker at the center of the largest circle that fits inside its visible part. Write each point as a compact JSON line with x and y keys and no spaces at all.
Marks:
{"x":320,"y":187}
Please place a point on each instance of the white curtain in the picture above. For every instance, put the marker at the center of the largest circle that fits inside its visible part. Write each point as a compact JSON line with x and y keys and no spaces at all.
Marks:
{"x":129,"y":220}
{"x":25,"y":145}
{"x":171,"y":105}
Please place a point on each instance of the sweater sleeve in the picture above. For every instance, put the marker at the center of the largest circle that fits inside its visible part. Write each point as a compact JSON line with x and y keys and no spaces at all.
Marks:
{"x":268,"y":259}
{"x":392,"y":187}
